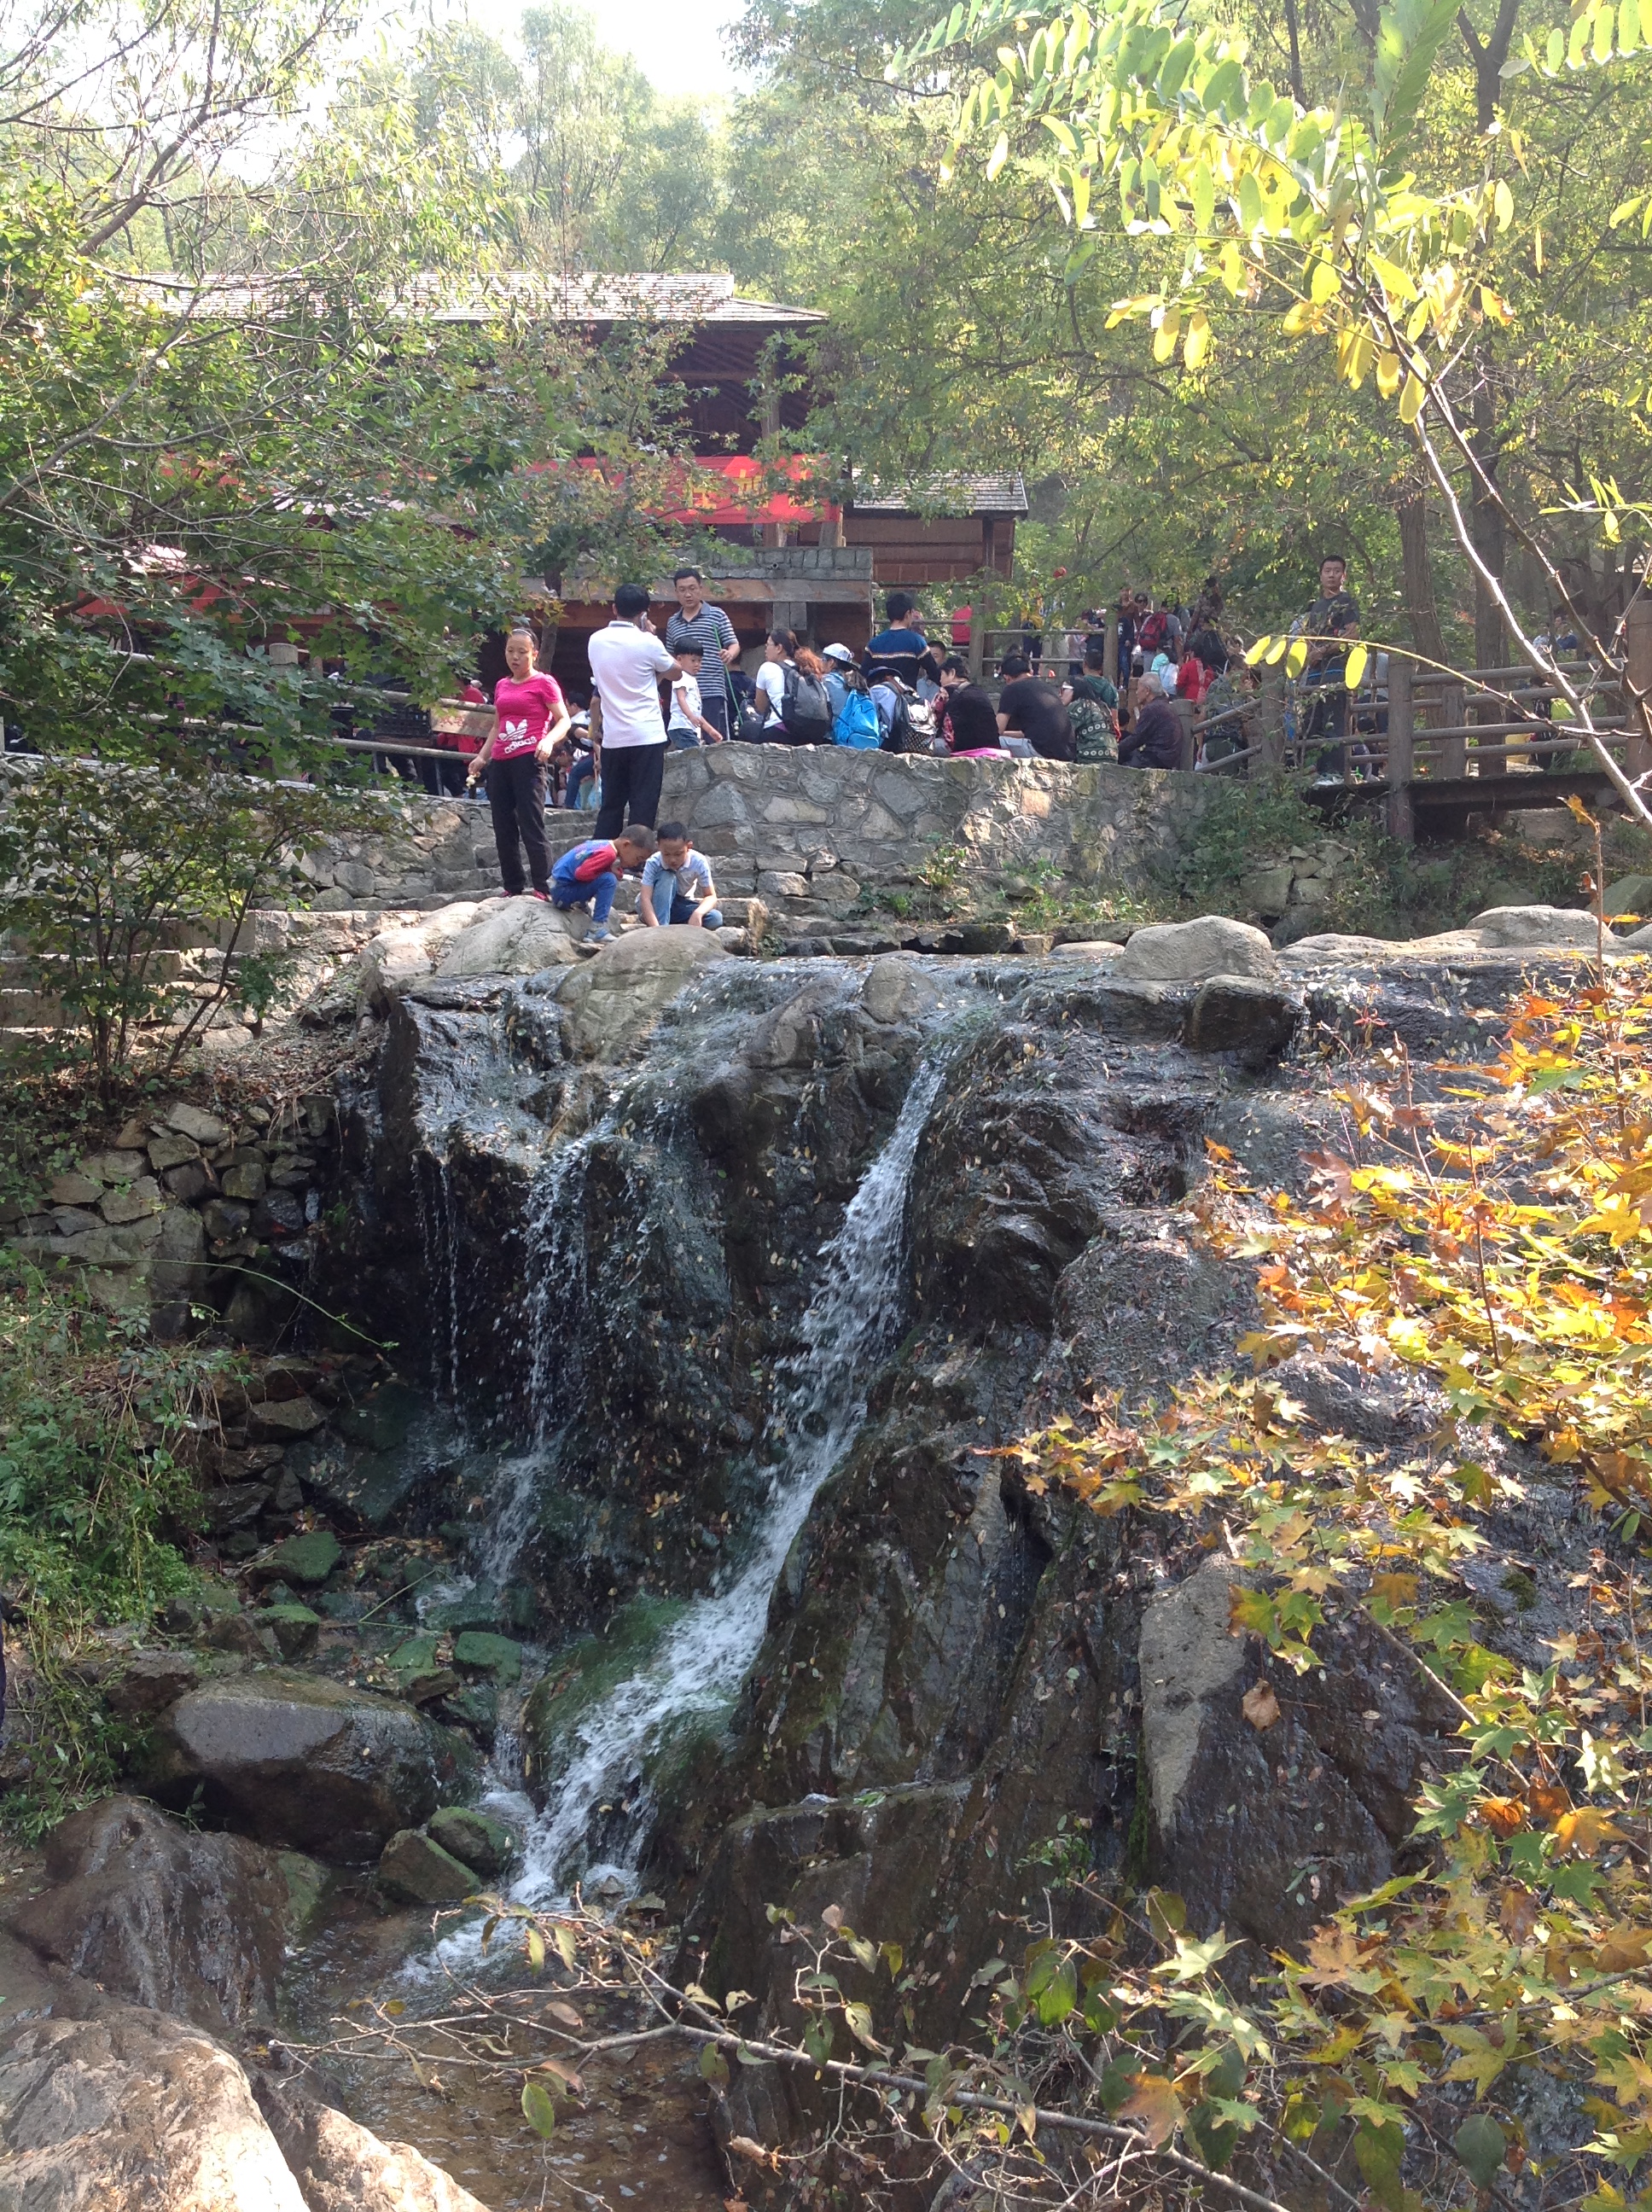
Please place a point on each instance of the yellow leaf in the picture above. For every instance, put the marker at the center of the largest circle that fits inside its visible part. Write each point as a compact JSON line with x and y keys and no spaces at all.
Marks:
{"x":1231,"y":265}
{"x":1295,"y":658}
{"x":1323,"y":283}
{"x":1503,"y":205}
{"x":1258,"y":650}
{"x":1393,"y":1590}
{"x":1153,"y":2101}
{"x":565,"y":1946}
{"x":858,"y":2019}
{"x":1353,"y":674}
{"x":1277,"y":651}
{"x":1411,"y":401}
{"x":1197,"y":344}
{"x":1388,"y":375}
{"x":1165,"y":337}
{"x":1586,"y":1830}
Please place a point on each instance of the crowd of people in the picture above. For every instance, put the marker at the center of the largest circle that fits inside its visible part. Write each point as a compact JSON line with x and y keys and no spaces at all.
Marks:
{"x":1168,"y":689}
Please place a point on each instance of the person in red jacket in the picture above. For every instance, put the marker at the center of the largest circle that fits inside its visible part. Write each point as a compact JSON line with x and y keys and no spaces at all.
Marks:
{"x":588,"y":875}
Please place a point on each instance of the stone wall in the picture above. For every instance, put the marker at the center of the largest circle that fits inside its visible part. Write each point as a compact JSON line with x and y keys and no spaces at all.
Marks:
{"x":811,"y":814}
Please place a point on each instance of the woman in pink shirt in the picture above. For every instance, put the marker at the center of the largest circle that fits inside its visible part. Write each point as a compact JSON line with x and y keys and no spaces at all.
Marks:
{"x":530,"y":716}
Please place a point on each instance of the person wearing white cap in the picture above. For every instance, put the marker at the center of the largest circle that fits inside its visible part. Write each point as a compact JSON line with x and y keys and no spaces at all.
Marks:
{"x":837,"y":659}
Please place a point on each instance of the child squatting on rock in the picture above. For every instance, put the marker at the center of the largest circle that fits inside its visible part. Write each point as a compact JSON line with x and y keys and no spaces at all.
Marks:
{"x":588,"y":875}
{"x":676,"y":885}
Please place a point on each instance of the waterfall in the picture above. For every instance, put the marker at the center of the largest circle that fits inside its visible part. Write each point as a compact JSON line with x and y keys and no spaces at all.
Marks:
{"x":852,"y":1323}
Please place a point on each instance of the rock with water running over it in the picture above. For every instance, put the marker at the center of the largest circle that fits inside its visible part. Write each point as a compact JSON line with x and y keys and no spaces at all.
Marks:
{"x":1242,"y":1014}
{"x":163,"y":1915}
{"x":297,"y":1758}
{"x":614,"y":999}
{"x":342,"y":2166}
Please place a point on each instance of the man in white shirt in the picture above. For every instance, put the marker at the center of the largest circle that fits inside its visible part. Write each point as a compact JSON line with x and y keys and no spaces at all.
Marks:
{"x":627,"y":662}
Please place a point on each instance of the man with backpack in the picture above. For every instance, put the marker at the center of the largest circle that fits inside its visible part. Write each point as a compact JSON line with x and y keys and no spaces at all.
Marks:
{"x":856,"y":721}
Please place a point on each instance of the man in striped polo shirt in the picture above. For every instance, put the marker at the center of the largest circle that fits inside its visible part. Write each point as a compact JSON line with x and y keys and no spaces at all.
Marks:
{"x":709,"y":630}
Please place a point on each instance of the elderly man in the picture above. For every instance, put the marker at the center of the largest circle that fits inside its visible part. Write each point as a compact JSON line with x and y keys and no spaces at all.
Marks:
{"x":1154,"y":739}
{"x":710,"y":632}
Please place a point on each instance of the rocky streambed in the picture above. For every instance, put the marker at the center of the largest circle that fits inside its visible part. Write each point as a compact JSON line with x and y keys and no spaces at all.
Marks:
{"x":668,"y":1553}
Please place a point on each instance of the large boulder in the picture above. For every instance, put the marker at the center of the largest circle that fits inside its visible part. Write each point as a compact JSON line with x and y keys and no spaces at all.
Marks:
{"x":163,"y":1915}
{"x":1537,"y":926}
{"x":132,"y":2111}
{"x":1188,"y":952}
{"x":115,"y":2108}
{"x":342,"y":2166}
{"x":297,"y":1759}
{"x":616,"y":996}
{"x":387,"y":963}
{"x":519,"y":938}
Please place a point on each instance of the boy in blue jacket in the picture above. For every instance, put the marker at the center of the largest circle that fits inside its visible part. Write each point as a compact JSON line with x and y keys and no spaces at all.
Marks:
{"x":588,"y":875}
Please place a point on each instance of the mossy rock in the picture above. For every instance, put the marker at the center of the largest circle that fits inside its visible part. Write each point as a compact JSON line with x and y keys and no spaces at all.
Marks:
{"x":489,"y":1655}
{"x":419,"y":1674}
{"x":308,"y":1883}
{"x":475,"y":1708}
{"x":414,"y":1870}
{"x":483,"y":1842}
{"x":307,"y":1559}
{"x":294,"y":1628}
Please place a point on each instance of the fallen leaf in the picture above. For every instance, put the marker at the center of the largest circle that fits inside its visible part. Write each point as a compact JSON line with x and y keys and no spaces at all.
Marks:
{"x":1153,"y":2101}
{"x":566,"y":2014}
{"x":1586,"y":1830}
{"x":1622,"y":1948}
{"x":1394,"y":1590}
{"x":1260,"y":1706}
{"x":1548,"y":1801}
{"x":1516,"y":1911}
{"x":1502,"y":1815}
{"x":565,"y":2075}
{"x":753,"y":2153}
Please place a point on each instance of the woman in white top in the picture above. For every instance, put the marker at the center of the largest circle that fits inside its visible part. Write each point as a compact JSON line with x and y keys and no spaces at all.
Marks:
{"x":781,"y":648}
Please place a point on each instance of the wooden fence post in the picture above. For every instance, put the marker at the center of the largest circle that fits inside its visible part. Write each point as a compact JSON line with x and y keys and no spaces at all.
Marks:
{"x":1454,"y":751}
{"x":977,"y":641}
{"x":1638,"y":666}
{"x":1401,"y":736}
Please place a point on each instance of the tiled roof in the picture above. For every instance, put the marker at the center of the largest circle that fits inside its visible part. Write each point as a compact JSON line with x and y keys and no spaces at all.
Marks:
{"x":587,"y":297}
{"x":953,"y":492}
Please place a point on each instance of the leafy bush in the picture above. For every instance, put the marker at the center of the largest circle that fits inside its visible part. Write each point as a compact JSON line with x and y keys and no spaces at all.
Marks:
{"x":96,"y":1492}
{"x":104,"y":870}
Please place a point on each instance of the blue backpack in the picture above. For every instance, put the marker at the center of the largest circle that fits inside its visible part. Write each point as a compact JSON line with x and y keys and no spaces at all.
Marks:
{"x":857,"y":723}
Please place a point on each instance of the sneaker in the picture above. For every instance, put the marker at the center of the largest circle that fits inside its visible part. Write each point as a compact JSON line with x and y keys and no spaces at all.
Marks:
{"x":543,"y":897}
{"x":598,"y":936}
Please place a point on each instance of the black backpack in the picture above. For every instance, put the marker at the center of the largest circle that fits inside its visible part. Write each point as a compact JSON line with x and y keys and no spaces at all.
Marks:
{"x":901,"y":737}
{"x":805,"y":708}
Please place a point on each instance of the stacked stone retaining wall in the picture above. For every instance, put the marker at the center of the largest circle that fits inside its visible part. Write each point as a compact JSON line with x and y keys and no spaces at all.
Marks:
{"x":810,"y":812}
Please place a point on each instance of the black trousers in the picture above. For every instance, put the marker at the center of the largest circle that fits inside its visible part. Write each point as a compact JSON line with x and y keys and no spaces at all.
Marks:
{"x":516,"y":793}
{"x":631,"y":777}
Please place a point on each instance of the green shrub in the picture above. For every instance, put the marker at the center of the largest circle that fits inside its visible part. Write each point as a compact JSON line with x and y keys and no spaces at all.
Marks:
{"x":97,"y":1491}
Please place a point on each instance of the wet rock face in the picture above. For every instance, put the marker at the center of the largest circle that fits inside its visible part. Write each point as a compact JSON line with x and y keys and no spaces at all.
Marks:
{"x":165,"y":1916}
{"x":1265,"y":1819}
{"x":300,"y":1760}
{"x":1044,"y":1129}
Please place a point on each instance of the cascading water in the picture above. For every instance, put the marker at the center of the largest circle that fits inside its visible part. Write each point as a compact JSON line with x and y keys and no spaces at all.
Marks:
{"x":698,"y":1665}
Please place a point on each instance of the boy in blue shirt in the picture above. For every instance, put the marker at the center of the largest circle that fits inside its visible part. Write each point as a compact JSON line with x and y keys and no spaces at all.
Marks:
{"x":676,"y":885}
{"x":588,"y":875}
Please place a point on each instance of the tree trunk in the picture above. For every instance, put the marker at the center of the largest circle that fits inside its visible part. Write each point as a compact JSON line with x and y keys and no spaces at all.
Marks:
{"x":1418,"y":577}
{"x":1486,"y":526}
